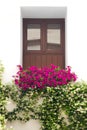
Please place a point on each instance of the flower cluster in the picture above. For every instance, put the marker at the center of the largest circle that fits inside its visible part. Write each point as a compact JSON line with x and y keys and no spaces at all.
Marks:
{"x":34,"y":77}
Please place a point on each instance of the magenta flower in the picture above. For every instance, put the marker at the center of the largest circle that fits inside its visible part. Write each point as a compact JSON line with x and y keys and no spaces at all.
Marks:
{"x":52,"y":76}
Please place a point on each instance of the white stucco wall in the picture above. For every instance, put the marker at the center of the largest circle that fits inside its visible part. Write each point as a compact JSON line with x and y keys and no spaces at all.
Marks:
{"x":11,"y":35}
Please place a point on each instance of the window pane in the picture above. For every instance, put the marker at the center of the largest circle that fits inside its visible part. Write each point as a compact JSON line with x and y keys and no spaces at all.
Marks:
{"x":53,"y":36}
{"x":33,"y":45}
{"x":33,"y":37}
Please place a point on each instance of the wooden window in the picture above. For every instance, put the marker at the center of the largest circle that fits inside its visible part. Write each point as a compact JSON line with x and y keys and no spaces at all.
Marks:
{"x":43,"y":41}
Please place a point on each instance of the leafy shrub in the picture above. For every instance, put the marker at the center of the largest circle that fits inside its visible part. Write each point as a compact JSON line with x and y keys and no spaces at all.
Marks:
{"x":34,"y":77}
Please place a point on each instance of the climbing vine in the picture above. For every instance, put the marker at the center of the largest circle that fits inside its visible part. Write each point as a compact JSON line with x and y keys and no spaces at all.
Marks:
{"x":63,"y":107}
{"x":2,"y":100}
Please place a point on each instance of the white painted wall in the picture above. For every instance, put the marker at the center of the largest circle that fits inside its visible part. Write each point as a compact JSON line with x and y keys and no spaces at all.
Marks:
{"x":11,"y":34}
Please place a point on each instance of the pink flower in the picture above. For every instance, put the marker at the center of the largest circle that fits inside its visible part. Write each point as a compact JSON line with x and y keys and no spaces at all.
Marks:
{"x":52,"y":76}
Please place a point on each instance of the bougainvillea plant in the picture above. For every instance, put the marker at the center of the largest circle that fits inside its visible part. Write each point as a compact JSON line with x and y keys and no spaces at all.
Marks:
{"x":34,"y":77}
{"x":61,"y":108}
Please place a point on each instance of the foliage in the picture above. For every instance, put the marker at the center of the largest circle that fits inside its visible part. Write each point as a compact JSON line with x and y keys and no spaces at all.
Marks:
{"x":1,"y":72}
{"x":3,"y":102}
{"x":52,"y":76}
{"x":61,"y":108}
{"x":65,"y":108}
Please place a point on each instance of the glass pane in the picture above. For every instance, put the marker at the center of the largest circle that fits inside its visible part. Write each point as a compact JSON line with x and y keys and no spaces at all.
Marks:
{"x":53,"y":36}
{"x":33,"y":46}
{"x":33,"y":37}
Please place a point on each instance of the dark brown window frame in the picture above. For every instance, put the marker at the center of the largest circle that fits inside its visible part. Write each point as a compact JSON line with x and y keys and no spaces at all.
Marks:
{"x":43,"y":23}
